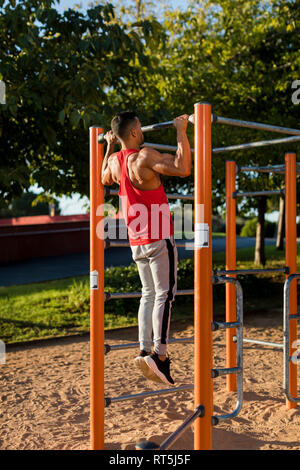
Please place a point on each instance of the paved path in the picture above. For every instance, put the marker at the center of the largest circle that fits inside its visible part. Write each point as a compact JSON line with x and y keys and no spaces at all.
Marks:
{"x":60,"y":267}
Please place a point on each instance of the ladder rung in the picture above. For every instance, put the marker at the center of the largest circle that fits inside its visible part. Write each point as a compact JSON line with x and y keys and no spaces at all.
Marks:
{"x":218,"y":372}
{"x":216,"y":325}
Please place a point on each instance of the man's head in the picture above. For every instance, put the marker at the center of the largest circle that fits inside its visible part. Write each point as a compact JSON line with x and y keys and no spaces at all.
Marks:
{"x":127,"y":127}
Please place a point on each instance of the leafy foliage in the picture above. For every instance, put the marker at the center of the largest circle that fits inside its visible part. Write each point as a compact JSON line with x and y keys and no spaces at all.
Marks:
{"x":242,"y":57}
{"x":249,"y":229}
{"x":63,"y":73}
{"x":27,"y":205}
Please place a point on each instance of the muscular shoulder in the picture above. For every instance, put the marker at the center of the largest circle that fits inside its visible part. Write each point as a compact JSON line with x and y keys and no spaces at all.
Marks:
{"x":147,"y":156}
{"x":113,"y":158}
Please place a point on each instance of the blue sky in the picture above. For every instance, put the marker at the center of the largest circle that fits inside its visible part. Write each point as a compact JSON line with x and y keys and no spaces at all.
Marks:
{"x":85,"y":3}
{"x":63,"y":4}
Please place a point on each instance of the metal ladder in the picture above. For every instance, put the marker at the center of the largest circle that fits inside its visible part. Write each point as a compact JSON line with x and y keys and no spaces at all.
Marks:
{"x":286,"y":336}
{"x":239,"y":340}
{"x":200,"y":410}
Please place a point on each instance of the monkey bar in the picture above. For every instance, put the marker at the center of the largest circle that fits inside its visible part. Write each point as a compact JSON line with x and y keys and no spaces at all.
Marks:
{"x":236,"y":194}
{"x":254,"y":125}
{"x":163,"y":125}
{"x":280,"y":169}
{"x":260,"y":143}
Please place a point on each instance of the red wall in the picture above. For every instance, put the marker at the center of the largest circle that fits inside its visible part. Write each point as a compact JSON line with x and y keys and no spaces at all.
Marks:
{"x":34,"y":237}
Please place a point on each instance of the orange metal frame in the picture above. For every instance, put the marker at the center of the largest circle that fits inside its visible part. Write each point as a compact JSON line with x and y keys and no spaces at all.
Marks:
{"x":290,"y":259}
{"x":203,"y":299}
{"x":96,"y":293}
{"x":203,"y":387}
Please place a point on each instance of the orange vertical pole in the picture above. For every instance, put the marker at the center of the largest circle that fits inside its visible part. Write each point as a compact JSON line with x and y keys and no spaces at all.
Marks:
{"x":231,"y":356}
{"x":291,"y":261}
{"x":96,"y":295}
{"x":203,"y":390}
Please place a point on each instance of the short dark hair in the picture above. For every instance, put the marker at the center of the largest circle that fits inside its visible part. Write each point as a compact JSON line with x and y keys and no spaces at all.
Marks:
{"x":122,"y":123}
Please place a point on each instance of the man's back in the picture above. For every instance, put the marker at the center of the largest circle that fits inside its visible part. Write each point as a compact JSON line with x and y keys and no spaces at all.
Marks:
{"x":146,"y":211}
{"x":141,"y":176}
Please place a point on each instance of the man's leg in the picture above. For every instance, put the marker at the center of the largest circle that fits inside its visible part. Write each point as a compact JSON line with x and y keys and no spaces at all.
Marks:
{"x":164,"y":271}
{"x":147,"y":299}
{"x":145,"y":312}
{"x":163,"y":263}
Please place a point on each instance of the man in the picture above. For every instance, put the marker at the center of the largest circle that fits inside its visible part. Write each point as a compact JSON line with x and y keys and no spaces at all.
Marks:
{"x":138,"y":172}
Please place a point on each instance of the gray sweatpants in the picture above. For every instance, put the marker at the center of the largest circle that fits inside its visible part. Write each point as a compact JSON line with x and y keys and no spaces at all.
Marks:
{"x":157,"y":266}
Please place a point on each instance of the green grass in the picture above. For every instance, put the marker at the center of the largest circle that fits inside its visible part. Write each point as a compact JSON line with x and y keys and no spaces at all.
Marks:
{"x":43,"y":310}
{"x":61,"y":307}
{"x":246,"y":256}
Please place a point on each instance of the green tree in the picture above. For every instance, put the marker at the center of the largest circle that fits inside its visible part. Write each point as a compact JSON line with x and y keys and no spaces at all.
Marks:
{"x":242,"y":57}
{"x":63,"y":73}
{"x":28,"y":204}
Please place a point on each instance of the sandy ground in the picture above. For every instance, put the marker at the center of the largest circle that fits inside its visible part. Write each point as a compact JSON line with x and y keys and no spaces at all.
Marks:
{"x":44,"y":395}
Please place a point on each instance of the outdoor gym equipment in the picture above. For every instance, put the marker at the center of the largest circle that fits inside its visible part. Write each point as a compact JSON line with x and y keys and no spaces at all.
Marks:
{"x":203,"y":416}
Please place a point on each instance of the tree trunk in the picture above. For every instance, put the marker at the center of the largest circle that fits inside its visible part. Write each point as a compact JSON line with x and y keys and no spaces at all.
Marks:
{"x":260,"y":257}
{"x":280,"y":225}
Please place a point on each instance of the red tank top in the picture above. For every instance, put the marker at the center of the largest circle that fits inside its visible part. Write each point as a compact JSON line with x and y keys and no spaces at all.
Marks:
{"x":146,"y":212}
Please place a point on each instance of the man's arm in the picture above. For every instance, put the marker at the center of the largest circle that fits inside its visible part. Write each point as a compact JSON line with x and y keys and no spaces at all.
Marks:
{"x":167,"y":164}
{"x":106,"y":176}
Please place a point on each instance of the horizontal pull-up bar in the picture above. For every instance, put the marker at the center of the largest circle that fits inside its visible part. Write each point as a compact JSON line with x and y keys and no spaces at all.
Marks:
{"x":231,"y":148}
{"x":267,"y":169}
{"x":223,"y":120}
{"x":253,"y":271}
{"x":257,"y":193}
{"x":261,"y":143}
{"x":164,"y":125}
{"x":152,"y":127}
{"x":254,"y":125}
{"x":136,"y":295}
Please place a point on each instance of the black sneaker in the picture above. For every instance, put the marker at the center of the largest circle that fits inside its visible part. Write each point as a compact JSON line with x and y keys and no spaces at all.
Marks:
{"x":139,"y":360}
{"x":140,"y":363}
{"x":160,"y":368}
